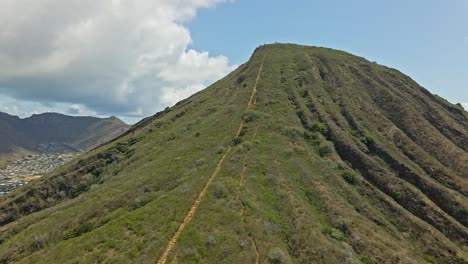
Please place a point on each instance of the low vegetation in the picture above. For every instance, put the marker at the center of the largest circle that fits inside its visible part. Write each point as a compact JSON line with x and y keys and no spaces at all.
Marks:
{"x":340,"y":161}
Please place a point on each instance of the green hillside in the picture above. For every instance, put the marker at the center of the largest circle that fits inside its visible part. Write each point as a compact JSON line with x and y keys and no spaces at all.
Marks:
{"x":301,"y":155}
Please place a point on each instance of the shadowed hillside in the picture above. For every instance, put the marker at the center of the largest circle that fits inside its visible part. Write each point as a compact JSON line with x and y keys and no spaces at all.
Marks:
{"x":301,"y":155}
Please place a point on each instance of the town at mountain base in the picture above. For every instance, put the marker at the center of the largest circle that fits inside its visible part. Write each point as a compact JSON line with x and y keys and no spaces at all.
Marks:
{"x":301,"y":155}
{"x":34,"y":133}
{"x":34,"y":146}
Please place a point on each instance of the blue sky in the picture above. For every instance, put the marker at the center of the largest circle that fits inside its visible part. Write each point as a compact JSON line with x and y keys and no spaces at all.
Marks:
{"x":428,"y":40}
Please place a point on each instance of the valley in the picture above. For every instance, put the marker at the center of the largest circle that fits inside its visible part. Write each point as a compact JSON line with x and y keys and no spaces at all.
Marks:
{"x":31,"y":167}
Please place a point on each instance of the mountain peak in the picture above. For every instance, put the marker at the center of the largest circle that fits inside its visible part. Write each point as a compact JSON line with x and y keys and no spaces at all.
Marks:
{"x":301,"y":155}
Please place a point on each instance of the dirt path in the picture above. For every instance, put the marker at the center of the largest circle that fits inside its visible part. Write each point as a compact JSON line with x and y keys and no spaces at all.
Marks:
{"x":193,"y":209}
{"x":242,"y":210}
{"x":250,"y":104}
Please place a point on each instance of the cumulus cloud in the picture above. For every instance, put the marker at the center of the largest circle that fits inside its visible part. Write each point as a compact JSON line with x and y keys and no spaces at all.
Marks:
{"x":465,"y":105}
{"x":127,"y":58}
{"x":25,"y":108}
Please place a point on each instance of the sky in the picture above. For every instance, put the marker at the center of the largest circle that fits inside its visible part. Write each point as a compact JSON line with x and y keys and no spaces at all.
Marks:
{"x":133,"y":58}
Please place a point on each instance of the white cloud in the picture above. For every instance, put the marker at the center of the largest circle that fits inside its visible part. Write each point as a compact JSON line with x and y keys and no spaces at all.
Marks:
{"x":24,"y":108}
{"x":105,"y":56}
{"x":172,"y":95}
{"x":465,"y":105}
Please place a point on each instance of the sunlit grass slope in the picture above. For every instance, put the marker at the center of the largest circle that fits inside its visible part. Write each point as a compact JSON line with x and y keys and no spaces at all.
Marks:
{"x":341,"y":160}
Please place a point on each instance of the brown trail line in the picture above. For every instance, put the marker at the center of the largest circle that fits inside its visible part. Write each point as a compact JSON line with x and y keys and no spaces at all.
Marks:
{"x":252,"y":97}
{"x":193,"y":209}
{"x":242,"y":210}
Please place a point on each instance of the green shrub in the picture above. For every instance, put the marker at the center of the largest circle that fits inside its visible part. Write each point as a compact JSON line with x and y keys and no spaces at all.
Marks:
{"x":397,"y":195}
{"x":325,"y":150}
{"x":247,"y":145}
{"x":210,"y":241}
{"x":293,"y":132}
{"x":276,"y":255}
{"x":240,"y":79}
{"x":430,"y":259}
{"x":180,"y":114}
{"x":301,"y":114}
{"x":220,"y":150}
{"x":243,"y":131}
{"x":39,"y":242}
{"x":312,"y":138}
{"x":299,"y":150}
{"x":170,"y":137}
{"x":79,"y":230}
{"x":356,"y":133}
{"x":135,"y":139}
{"x":236,"y":141}
{"x":349,"y":177}
{"x":368,"y":140}
{"x":333,"y":233}
{"x":98,"y":171}
{"x":200,"y":162}
{"x":367,"y":260}
{"x":159,"y":124}
{"x":209,"y":111}
{"x":219,"y":190}
{"x":250,"y":116}
{"x":121,"y":147}
{"x":321,"y":128}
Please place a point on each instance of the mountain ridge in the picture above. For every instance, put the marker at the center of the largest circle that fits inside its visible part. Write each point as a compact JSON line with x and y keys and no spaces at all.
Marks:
{"x":25,"y":136}
{"x":22,"y":136}
{"x":340,"y":160}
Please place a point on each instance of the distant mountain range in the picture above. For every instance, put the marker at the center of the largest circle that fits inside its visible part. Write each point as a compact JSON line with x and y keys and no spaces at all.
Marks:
{"x":52,"y":132}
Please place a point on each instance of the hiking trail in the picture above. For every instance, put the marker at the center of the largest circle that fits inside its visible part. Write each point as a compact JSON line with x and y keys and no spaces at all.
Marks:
{"x":196,"y":204}
{"x":242,"y":210}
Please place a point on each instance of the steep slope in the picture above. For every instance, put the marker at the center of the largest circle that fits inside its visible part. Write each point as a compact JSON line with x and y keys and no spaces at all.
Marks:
{"x":301,"y":155}
{"x":84,"y":132}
